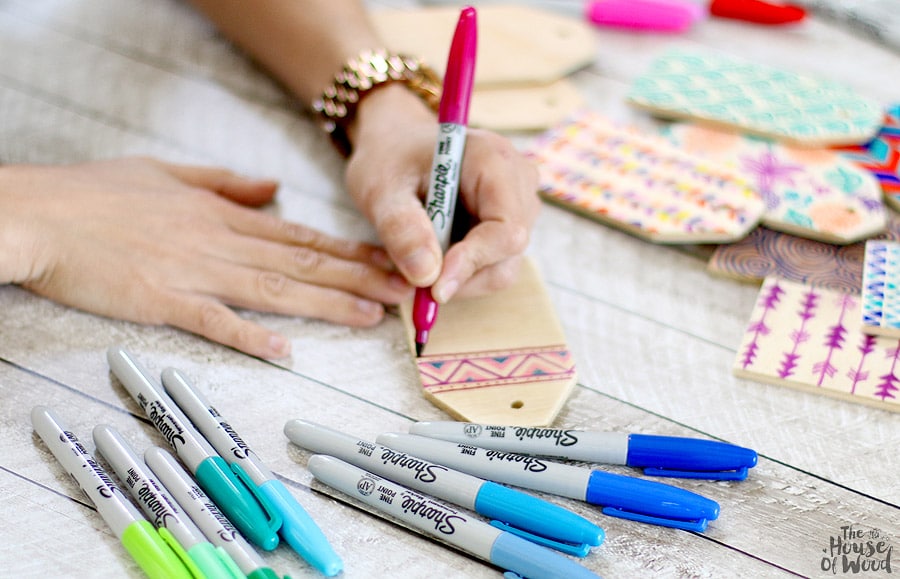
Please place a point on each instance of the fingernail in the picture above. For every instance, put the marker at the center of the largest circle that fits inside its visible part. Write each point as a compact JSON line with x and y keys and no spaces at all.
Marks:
{"x":279,"y":346}
{"x":445,"y":291}
{"x":369,"y":308}
{"x":420,"y":265}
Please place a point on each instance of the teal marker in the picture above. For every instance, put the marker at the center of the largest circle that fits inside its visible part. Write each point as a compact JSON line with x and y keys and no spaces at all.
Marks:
{"x":160,"y":507}
{"x":156,"y":552}
{"x":298,"y":529}
{"x":251,"y":512}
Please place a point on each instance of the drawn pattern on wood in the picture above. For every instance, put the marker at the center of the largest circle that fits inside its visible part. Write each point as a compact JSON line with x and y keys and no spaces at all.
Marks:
{"x":642,"y":183}
{"x":483,"y":369}
{"x":881,"y":156}
{"x":880,"y":295}
{"x":799,"y":336}
{"x":814,"y":193}
{"x":765,"y":252}
{"x":756,"y":99}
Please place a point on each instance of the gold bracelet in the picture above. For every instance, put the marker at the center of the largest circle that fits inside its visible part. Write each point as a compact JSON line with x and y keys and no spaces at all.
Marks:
{"x":336,"y":108}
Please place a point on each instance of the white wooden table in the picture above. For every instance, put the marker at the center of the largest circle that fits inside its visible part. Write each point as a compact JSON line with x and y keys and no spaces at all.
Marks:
{"x":653,"y":334}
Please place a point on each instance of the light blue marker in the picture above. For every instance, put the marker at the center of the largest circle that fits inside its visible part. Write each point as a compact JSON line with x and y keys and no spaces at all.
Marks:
{"x":519,"y":513}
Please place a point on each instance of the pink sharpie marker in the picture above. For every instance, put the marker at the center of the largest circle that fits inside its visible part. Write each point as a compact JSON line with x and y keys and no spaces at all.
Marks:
{"x":650,"y":15}
{"x":453,"y":117}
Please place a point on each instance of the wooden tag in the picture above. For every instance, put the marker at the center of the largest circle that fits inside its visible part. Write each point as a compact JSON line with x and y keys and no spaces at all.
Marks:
{"x":517,"y":45}
{"x":752,"y":98}
{"x":497,"y":359}
{"x":810,"y":338}
{"x":880,"y":293}
{"x":642,"y":183}
{"x":524,"y":55}
{"x":813,"y":193}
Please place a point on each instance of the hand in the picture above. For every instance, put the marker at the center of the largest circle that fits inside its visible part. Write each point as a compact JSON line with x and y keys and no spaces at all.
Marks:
{"x":388,"y":172}
{"x":158,"y":243}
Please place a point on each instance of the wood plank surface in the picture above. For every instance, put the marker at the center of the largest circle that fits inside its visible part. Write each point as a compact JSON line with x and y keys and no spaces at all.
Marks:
{"x":653,"y":334}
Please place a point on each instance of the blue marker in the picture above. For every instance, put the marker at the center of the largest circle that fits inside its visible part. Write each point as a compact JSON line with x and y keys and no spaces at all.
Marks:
{"x":446,"y":523}
{"x":670,"y":456}
{"x":621,"y":496}
{"x":519,"y":513}
{"x":251,"y":513}
{"x":298,"y":528}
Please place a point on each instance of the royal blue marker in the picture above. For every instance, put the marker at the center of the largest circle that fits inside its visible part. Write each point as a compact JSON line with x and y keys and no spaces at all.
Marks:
{"x":621,"y":496}
{"x":670,"y":456}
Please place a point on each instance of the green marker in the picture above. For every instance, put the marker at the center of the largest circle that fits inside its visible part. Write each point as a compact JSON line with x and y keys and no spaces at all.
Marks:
{"x":159,"y":506}
{"x":152,"y":550}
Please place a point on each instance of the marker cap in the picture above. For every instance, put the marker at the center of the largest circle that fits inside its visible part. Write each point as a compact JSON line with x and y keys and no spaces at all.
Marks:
{"x":300,"y":531}
{"x":249,"y":512}
{"x":689,"y":457}
{"x":153,"y":554}
{"x":214,"y":562}
{"x":551,"y":524}
{"x":658,"y":15}
{"x":530,"y":560}
{"x":650,"y":502}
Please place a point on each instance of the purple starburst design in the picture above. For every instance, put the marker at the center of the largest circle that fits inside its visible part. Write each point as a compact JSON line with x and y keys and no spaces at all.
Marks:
{"x":768,"y":170}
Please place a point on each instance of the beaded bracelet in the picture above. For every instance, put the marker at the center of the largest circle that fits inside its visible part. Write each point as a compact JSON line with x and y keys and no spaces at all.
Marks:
{"x":336,"y":108}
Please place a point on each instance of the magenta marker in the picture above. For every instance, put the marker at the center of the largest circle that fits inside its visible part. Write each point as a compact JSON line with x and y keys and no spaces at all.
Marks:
{"x":650,"y":15}
{"x":453,"y":117}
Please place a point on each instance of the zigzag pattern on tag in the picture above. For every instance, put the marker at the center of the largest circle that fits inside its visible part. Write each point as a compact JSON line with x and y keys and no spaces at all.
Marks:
{"x":881,"y":279}
{"x":881,"y":156}
{"x":874,"y":272}
{"x":499,"y":368}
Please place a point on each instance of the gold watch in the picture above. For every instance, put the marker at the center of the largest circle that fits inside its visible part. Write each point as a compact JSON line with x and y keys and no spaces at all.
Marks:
{"x":336,"y":108}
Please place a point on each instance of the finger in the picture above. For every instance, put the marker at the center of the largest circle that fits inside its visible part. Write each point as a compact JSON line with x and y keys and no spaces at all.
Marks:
{"x":254,"y":224}
{"x":408,"y":238}
{"x":393,"y":206}
{"x":312,"y":266}
{"x":230,"y":185}
{"x":492,"y":278}
{"x":487,"y":244}
{"x":500,"y":184}
{"x":213,"y":320}
{"x":269,"y":291}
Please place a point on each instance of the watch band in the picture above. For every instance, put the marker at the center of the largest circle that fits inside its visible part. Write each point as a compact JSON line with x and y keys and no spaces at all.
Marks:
{"x":336,"y":107}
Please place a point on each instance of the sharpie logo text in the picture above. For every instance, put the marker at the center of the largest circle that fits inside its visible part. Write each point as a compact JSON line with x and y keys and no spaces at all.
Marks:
{"x":108,"y":488}
{"x":227,"y":532}
{"x":154,"y":503}
{"x":240,"y":449}
{"x":528,"y":463}
{"x":424,"y":471}
{"x":443,"y":180}
{"x":165,"y":424}
{"x":560,"y":437}
{"x":443,"y":519}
